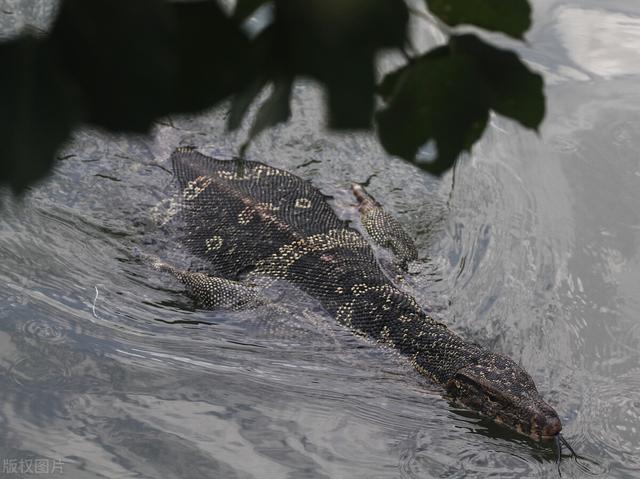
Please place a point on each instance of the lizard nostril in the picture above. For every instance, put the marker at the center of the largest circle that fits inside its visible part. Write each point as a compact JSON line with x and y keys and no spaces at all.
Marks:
{"x":552,"y":426}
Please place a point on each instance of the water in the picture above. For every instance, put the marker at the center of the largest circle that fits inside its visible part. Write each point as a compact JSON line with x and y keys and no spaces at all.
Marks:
{"x":533,"y":252}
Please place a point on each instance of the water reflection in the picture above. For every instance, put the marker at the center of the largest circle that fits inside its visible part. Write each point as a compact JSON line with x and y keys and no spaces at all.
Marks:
{"x":605,"y":43}
{"x":535,"y":252}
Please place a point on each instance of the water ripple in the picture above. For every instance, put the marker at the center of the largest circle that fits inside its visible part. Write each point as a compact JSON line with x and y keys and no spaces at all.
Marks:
{"x":476,"y":457}
{"x":611,"y":418}
{"x":42,"y":330}
{"x":31,"y":371}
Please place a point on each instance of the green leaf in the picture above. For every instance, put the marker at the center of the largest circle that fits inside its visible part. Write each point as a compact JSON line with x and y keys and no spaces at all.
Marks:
{"x":39,"y":110}
{"x":335,"y":42}
{"x":245,"y":8}
{"x":512,"y":17}
{"x":445,"y":97}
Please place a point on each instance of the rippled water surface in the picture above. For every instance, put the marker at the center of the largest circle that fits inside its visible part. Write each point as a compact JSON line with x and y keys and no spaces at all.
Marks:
{"x":107,"y":369}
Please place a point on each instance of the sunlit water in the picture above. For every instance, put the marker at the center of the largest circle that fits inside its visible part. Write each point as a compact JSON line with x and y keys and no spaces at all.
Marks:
{"x":532,"y":251}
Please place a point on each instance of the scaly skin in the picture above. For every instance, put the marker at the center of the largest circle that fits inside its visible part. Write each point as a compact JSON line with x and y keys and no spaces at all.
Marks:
{"x":383,"y":228}
{"x":263,"y":222}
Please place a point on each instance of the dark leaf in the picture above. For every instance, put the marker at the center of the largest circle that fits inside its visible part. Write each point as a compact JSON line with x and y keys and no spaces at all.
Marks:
{"x":136,"y":60}
{"x":351,"y":90}
{"x":335,"y":41}
{"x":245,"y":8}
{"x":262,"y":65}
{"x":438,"y":98}
{"x":121,"y":55}
{"x":242,"y":101}
{"x":392,"y":80}
{"x":275,"y":109}
{"x":211,"y":55}
{"x":444,"y":98}
{"x":512,"y":17}
{"x":515,"y":90}
{"x":39,"y":110}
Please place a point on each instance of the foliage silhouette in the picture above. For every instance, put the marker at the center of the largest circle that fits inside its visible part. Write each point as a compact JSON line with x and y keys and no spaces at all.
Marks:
{"x":122,"y":64}
{"x":445,"y":96}
{"x":512,"y":17}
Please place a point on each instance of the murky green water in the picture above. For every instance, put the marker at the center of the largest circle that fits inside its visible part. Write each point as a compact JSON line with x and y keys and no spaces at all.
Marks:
{"x":533,"y":252}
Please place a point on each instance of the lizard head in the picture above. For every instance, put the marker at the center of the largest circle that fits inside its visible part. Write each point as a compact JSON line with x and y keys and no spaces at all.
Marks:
{"x":497,"y":387}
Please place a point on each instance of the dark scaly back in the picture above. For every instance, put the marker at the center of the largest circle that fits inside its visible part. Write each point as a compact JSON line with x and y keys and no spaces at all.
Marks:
{"x":269,"y":223}
{"x":265,"y":222}
{"x":234,"y":220}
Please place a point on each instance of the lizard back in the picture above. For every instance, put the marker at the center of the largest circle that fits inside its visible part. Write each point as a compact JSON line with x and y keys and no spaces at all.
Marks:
{"x":253,"y":221}
{"x":237,"y":217}
{"x":264,"y":222}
